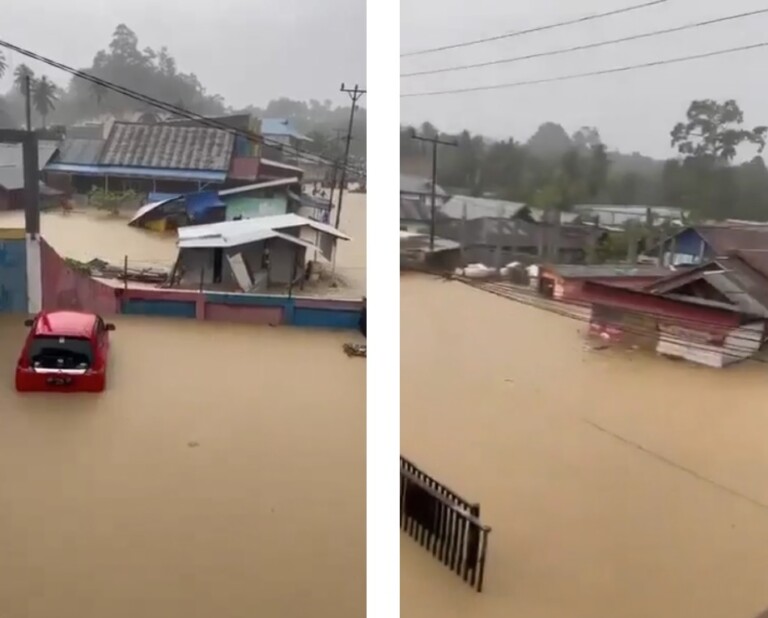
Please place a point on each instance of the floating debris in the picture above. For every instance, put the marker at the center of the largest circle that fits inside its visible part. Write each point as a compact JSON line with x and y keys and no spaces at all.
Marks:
{"x":355,"y":349}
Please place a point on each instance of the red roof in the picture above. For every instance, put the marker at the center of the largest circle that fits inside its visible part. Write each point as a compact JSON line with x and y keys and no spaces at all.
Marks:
{"x":65,"y":324}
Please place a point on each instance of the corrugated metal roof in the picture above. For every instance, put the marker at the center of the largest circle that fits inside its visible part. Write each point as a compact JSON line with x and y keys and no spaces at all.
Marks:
{"x":244,"y":238}
{"x":604,"y":271}
{"x":12,"y":155}
{"x":245,"y":226}
{"x":480,"y":207}
{"x":281,"y":127}
{"x":419,"y":186}
{"x":414,"y":210}
{"x":80,"y":151}
{"x":168,"y":147}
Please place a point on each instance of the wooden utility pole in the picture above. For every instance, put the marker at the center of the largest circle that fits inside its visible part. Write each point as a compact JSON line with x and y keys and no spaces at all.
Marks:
{"x":435,"y":141}
{"x":354,"y":94}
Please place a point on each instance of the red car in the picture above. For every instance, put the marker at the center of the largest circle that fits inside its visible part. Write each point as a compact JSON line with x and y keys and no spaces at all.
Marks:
{"x":65,"y":351}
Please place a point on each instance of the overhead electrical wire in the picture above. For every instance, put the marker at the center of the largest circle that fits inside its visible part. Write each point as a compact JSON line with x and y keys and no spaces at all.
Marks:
{"x":573,"y":76}
{"x":575,"y":48}
{"x":517,"y":33}
{"x":173,"y":109}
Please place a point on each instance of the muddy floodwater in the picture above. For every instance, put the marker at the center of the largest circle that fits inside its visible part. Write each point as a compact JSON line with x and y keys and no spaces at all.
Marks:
{"x":616,"y":484}
{"x":221,"y":474}
{"x":86,"y":234}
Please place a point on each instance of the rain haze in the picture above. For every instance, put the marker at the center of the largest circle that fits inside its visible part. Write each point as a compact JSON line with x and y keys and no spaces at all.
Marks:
{"x":248,"y":51}
{"x":634,"y":111}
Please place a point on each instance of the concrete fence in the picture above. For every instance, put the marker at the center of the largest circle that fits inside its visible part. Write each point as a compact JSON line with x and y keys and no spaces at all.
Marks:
{"x":65,"y":287}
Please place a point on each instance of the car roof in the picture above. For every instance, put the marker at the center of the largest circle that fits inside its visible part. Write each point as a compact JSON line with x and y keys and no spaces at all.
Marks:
{"x":65,"y":324}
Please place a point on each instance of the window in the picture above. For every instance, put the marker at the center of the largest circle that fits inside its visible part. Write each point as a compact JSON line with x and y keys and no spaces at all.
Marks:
{"x":48,"y":352}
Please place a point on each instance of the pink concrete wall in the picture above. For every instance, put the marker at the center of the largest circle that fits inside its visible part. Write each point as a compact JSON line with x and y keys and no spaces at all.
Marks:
{"x":244,"y":313}
{"x":65,"y":288}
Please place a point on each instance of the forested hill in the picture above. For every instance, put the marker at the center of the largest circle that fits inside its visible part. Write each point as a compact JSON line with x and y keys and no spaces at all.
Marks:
{"x":556,"y":170}
{"x":154,"y":72}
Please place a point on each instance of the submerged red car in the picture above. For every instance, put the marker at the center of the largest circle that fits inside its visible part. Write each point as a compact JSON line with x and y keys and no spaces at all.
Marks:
{"x":65,"y":351}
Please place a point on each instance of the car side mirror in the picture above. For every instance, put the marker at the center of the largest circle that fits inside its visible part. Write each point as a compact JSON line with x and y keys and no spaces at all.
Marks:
{"x":109,"y":327}
{"x":29,"y":323}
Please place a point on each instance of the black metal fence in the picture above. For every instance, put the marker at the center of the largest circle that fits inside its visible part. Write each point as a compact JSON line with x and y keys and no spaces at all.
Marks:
{"x":443,"y":523}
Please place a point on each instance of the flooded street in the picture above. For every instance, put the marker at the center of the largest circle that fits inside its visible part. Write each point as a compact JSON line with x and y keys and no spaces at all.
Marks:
{"x":87,"y":234}
{"x":221,"y":474}
{"x":616,"y":484}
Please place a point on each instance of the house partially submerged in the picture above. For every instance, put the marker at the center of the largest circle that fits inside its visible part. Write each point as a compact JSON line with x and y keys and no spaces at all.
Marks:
{"x":146,"y":158}
{"x":270,"y":198}
{"x":566,"y":282}
{"x":272,"y":252}
{"x":699,"y":244}
{"x":616,"y":215}
{"x":713,"y":314}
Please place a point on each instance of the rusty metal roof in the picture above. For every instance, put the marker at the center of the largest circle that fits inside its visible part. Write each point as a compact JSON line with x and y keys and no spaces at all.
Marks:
{"x":168,"y":146}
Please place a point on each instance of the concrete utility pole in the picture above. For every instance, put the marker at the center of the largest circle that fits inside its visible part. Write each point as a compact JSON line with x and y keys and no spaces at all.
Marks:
{"x":354,"y":94}
{"x":334,"y":171}
{"x":435,"y":141}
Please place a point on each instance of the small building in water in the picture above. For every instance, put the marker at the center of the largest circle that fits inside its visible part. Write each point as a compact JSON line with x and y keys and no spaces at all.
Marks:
{"x":250,"y":255}
{"x":713,"y":314}
{"x":566,"y":281}
{"x":262,"y":199}
{"x":417,"y":252}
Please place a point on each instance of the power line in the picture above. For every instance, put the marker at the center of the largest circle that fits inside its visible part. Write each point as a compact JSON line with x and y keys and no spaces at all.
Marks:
{"x":508,"y":35}
{"x":576,"y":48}
{"x":173,"y":109}
{"x":573,"y":76}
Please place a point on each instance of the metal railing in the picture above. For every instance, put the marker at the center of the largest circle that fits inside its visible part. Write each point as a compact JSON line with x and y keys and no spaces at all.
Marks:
{"x":443,"y":523}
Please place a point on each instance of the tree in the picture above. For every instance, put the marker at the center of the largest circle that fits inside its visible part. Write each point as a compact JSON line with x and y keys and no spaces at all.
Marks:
{"x":20,"y":77}
{"x":714,"y":131}
{"x":3,"y":64}
{"x":99,"y":91}
{"x":44,"y":97}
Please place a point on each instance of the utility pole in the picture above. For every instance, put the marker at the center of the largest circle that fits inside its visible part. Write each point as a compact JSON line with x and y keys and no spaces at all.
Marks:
{"x":335,"y":169}
{"x":354,"y":94}
{"x":435,"y":141}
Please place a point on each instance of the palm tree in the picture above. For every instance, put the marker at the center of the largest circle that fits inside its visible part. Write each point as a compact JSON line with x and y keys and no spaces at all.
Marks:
{"x":44,"y":97}
{"x":3,"y":64}
{"x":20,"y":76}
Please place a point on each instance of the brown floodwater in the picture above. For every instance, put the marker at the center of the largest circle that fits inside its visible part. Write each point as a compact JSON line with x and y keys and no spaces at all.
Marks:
{"x":221,"y":474}
{"x":86,"y":234}
{"x":616,"y":484}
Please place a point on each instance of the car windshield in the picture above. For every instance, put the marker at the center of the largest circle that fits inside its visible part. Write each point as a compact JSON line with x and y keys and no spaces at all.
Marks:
{"x":47,"y":352}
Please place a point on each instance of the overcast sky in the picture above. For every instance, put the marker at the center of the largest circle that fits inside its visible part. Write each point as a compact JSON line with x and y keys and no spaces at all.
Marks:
{"x":249,"y":51}
{"x":634,"y":111}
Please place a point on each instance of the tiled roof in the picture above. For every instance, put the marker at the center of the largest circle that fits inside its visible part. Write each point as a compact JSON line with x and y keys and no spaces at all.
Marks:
{"x":168,"y":146}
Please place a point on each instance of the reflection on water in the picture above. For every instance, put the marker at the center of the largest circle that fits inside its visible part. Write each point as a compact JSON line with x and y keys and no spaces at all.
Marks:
{"x":222,"y":474}
{"x":615,"y":484}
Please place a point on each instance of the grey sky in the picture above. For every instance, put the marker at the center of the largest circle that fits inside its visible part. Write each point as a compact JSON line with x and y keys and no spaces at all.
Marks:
{"x":249,"y":51}
{"x":634,"y":111}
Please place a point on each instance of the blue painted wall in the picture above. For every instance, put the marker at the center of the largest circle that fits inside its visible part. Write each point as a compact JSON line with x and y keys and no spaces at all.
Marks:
{"x":13,"y":276}
{"x":168,"y":308}
{"x":688,"y":242}
{"x":326,"y":318}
